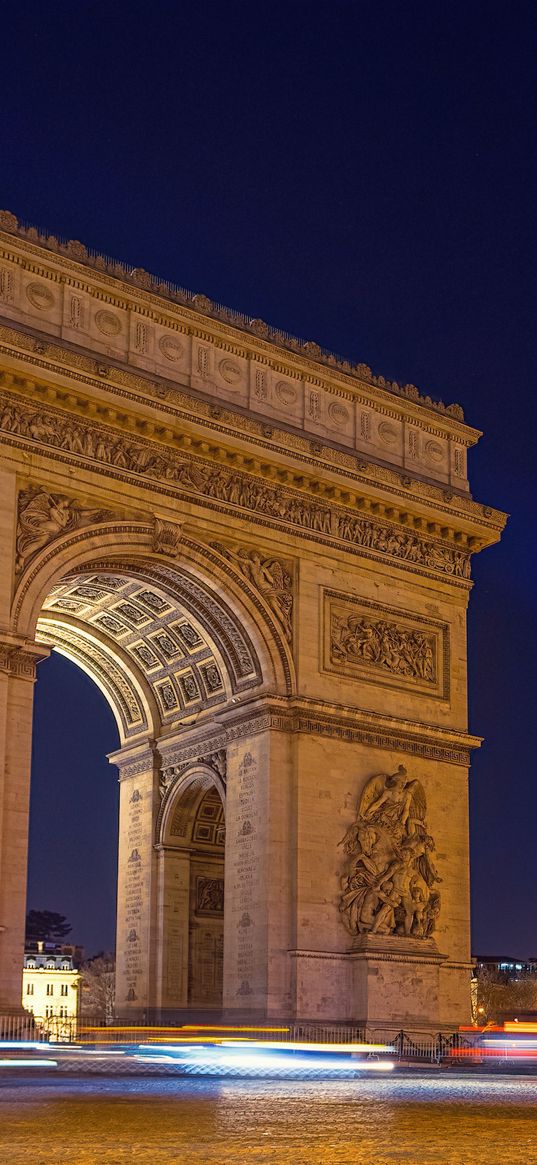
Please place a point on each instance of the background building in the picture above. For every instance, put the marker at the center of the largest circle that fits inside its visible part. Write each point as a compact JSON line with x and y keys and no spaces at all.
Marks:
{"x":50,"y":988}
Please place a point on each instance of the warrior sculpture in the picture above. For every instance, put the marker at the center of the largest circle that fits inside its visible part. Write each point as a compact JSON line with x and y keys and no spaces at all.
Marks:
{"x":390,"y":885}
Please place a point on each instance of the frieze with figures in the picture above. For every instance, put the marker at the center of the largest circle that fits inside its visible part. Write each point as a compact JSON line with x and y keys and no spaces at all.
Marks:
{"x":231,"y":487}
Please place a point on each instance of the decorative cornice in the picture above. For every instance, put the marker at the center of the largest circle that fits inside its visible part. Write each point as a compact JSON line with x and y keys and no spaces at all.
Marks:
{"x":133,"y":761}
{"x":428,"y":957}
{"x":136,"y":278}
{"x":19,"y":658}
{"x":182,"y":406}
{"x":313,"y":718}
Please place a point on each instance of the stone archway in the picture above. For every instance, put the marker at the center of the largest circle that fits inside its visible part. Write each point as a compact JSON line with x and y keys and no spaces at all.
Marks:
{"x":175,"y":650}
{"x":191,"y":888}
{"x":312,"y":524}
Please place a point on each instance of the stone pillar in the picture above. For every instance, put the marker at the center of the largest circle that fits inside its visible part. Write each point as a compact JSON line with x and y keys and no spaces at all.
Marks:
{"x":380,"y":980}
{"x":259,"y":876}
{"x":136,"y":945}
{"x":17,"y":675}
{"x":173,"y":927}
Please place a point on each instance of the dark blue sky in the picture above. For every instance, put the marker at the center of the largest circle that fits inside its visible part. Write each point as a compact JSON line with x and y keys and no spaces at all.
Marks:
{"x":361,"y":174}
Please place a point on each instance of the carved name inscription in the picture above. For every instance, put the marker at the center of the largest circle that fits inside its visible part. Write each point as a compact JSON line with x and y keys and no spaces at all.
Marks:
{"x":244,"y":873}
{"x":133,"y":900}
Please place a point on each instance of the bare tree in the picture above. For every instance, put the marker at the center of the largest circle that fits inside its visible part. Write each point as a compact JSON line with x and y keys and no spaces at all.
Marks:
{"x":98,"y":988}
{"x":498,"y":996}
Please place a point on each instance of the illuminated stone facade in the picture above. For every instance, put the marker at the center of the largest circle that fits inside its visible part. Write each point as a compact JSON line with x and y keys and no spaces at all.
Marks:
{"x":50,"y":990}
{"x":261,"y":554}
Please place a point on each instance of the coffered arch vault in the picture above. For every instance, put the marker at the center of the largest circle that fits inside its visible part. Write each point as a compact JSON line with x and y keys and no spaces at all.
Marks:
{"x":165,"y":641}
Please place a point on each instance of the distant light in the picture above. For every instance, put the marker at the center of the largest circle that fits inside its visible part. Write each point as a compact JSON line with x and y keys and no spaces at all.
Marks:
{"x":28,"y":1063}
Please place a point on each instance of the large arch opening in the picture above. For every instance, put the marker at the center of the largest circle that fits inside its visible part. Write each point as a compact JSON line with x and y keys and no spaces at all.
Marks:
{"x":174,"y":652}
{"x":72,"y":853}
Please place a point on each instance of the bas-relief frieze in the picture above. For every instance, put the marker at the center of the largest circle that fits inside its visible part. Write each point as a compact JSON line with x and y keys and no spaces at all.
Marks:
{"x":391,"y":884}
{"x":403,"y":545}
{"x":231,"y":487}
{"x":385,"y":645}
{"x":209,"y":895}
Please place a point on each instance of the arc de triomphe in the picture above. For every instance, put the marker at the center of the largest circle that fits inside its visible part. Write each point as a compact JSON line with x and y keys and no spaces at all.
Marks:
{"x":261,"y":554}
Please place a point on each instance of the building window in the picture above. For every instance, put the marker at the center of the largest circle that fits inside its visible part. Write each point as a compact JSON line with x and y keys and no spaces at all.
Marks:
{"x":49,"y":1011}
{"x":64,"y":989}
{"x":50,"y":988}
{"x":29,"y":988}
{"x":31,"y":963}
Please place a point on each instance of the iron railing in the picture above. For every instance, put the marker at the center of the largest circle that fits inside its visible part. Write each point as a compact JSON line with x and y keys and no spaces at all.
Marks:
{"x":414,"y":1047}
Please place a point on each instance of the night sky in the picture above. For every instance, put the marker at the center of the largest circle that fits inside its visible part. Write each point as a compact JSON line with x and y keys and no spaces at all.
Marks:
{"x":360,"y":174}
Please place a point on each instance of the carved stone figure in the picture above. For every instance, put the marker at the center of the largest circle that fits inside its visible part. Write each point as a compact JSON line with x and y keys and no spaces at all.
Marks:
{"x":43,"y":516}
{"x":216,"y":761}
{"x":165,"y":779}
{"x":390,"y":885}
{"x":271,"y":577}
{"x":210,"y":895}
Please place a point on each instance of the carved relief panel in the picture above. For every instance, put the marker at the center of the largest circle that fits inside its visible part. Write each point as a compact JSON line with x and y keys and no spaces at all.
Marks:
{"x":384,"y":645}
{"x":391,"y":883}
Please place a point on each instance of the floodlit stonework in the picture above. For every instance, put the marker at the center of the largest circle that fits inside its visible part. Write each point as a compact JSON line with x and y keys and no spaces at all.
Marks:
{"x":261,"y":555}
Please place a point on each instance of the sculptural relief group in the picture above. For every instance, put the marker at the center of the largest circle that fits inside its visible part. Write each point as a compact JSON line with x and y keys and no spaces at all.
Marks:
{"x":380,"y":643}
{"x":225,"y":485}
{"x":390,"y":887}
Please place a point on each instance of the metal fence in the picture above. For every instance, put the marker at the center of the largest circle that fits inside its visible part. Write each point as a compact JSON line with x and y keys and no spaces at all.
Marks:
{"x":53,"y":1028}
{"x":415,"y":1047}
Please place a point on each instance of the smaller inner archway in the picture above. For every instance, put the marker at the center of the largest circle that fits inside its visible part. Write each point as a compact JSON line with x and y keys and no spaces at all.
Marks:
{"x":193,"y":894}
